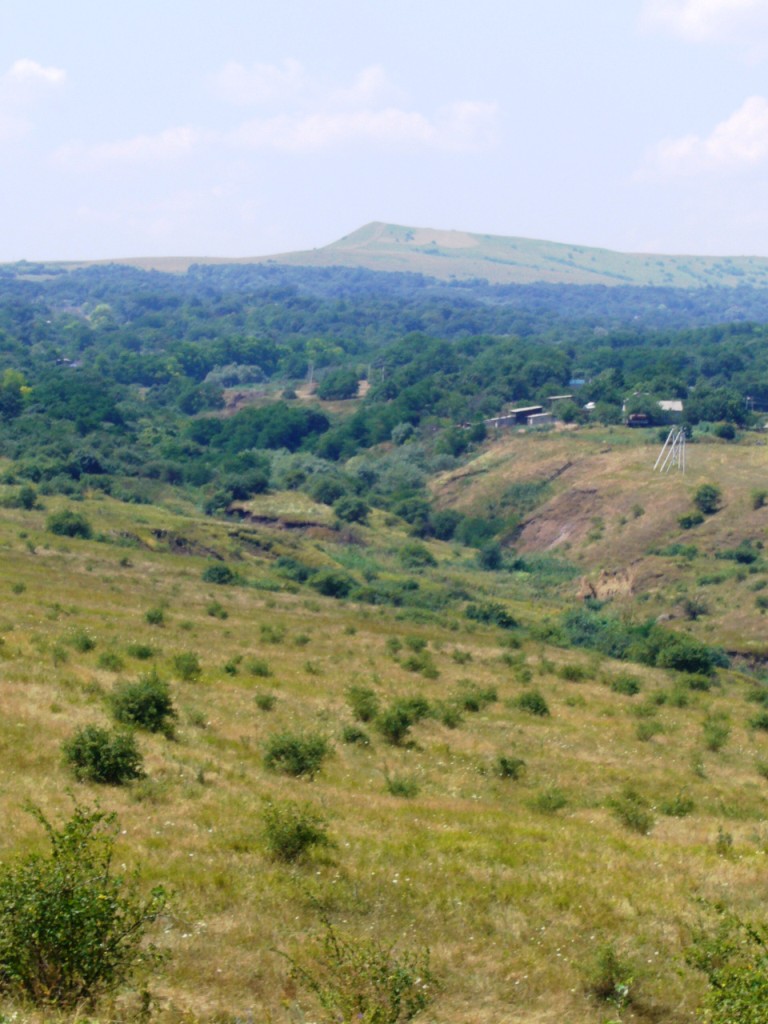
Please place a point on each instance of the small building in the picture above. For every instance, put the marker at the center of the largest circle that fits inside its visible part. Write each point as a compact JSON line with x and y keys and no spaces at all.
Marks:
{"x":514,"y":417}
{"x":540,"y":419}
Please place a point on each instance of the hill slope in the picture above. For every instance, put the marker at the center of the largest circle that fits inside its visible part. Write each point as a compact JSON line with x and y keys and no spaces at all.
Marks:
{"x":462,"y":255}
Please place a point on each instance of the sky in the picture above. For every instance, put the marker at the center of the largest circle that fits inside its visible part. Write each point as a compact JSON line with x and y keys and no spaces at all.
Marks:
{"x":254,"y":127}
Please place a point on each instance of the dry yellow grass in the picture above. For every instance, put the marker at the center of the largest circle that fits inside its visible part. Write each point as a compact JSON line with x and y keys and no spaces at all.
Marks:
{"x":512,"y":899}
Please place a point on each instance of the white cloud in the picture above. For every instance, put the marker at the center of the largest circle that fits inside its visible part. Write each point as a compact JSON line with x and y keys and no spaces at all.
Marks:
{"x":371,"y":86}
{"x":460,"y":127}
{"x":260,"y":83}
{"x":26,"y":71}
{"x":704,"y":20}
{"x":737,"y":143}
{"x":141,"y":149}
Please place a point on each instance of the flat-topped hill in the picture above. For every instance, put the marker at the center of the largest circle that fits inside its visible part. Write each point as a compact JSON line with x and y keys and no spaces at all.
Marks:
{"x":464,"y":255}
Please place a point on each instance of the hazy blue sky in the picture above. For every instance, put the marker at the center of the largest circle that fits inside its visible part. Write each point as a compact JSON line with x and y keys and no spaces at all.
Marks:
{"x":247,"y":127}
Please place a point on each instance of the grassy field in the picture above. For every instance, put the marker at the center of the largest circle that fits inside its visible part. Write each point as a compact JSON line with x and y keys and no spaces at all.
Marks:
{"x":516,"y":885}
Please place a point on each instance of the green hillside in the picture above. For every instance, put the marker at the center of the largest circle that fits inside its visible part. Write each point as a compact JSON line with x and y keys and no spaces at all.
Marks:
{"x":542,"y":824}
{"x":463,"y":255}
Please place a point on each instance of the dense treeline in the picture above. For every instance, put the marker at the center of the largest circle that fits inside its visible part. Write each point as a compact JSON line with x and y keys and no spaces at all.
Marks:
{"x":115,"y":377}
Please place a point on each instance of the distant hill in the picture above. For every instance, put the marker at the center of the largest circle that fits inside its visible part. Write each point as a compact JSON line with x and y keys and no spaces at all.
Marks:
{"x":462,"y":255}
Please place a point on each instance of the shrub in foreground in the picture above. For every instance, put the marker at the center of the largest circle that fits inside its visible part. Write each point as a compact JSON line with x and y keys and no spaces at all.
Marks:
{"x":146,"y":703}
{"x":733,"y":955}
{"x":67,"y":523}
{"x":291,"y":830}
{"x":356,"y":980}
{"x":70,"y":929}
{"x":99,"y":755}
{"x":296,"y":754}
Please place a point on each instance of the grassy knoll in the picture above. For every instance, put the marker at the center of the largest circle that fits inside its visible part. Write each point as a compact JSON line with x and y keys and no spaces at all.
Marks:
{"x":516,"y":884}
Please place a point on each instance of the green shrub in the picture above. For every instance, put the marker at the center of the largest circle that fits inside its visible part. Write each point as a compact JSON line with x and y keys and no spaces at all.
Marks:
{"x":509,"y":767}
{"x":363,"y":702}
{"x":414,"y":555}
{"x":733,"y":955}
{"x":296,"y":754}
{"x":632,"y":810}
{"x":155,"y":616}
{"x":216,"y":610}
{"x":332,"y":583}
{"x":473,"y":698}
{"x":81,"y":639}
{"x":68,"y":523}
{"x":355,"y":736}
{"x":678,"y":806}
{"x":449,"y":715}
{"x":110,"y":661}
{"x":402,"y":785}
{"x":72,"y":930}
{"x":647,"y":729}
{"x":573,"y":673}
{"x":717,"y":729}
{"x":708,"y":499}
{"x":271,"y":634}
{"x":258,"y":667}
{"x":363,"y":980}
{"x":759,"y":499}
{"x":350,"y":509}
{"x":689,"y":520}
{"x":534,"y":703}
{"x":549,"y":800}
{"x":291,"y":830}
{"x":98,"y":755}
{"x":187,"y":666}
{"x":141,"y":651}
{"x":265,"y":701}
{"x":608,"y":978}
{"x":492,"y":613}
{"x":146,"y":703}
{"x":625,"y":684}
{"x":394,"y":724}
{"x":219,"y":573}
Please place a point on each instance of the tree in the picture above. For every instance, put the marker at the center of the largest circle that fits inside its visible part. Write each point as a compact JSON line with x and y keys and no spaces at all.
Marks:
{"x":708,"y":499}
{"x":70,"y":929}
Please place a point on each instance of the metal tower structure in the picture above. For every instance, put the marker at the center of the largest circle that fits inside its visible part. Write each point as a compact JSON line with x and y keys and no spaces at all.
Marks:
{"x":672,"y":452}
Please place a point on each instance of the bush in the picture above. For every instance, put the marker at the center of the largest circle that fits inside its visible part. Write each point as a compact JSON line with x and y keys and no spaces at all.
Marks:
{"x":141,"y":651}
{"x":679,"y":806}
{"x":98,"y":755}
{"x":110,"y":661}
{"x":549,"y":800}
{"x":627,"y":685}
{"x":291,"y":830}
{"x":219,"y":573}
{"x":146,"y":703}
{"x":534,"y":703}
{"x":355,"y":736}
{"x":70,"y":929}
{"x":187,"y":666}
{"x":632,"y":810}
{"x":402,"y":785}
{"x":155,"y":616}
{"x":265,"y":701}
{"x":363,"y":702}
{"x":717,"y":729}
{"x":296,"y":754}
{"x":350,"y":509}
{"x":608,"y":978}
{"x":67,"y":523}
{"x":708,"y":499}
{"x":689,"y":520}
{"x":733,"y":955}
{"x":509,"y":767}
{"x":354,"y":979}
